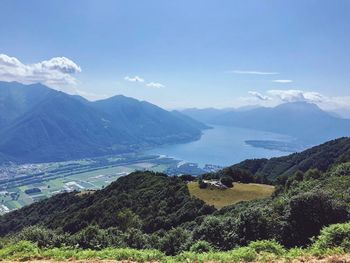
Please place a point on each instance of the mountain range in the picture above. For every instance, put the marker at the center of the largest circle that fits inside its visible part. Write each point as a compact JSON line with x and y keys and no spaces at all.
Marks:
{"x":304,"y":121}
{"x":39,"y":124}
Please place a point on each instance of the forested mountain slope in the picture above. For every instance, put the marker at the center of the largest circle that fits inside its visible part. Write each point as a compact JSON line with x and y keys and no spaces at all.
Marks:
{"x":321,"y":157}
{"x":161,"y":202}
{"x":38,"y":124}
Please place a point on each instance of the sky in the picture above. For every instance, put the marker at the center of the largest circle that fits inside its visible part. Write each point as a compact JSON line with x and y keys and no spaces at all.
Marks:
{"x":184,"y":53}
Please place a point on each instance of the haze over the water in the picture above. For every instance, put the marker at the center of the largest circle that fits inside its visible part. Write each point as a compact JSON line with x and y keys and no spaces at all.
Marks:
{"x":180,"y":54}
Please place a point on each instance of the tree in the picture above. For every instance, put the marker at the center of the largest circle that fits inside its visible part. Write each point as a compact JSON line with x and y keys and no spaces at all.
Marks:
{"x":202,"y":184}
{"x":313,"y":174}
{"x":134,"y":238}
{"x":42,"y":236}
{"x":187,"y":177}
{"x":201,"y":246}
{"x":218,"y":231}
{"x":308,"y":213}
{"x":126,"y":219}
{"x":227,"y":181}
{"x":175,"y":241}
{"x":91,"y":237}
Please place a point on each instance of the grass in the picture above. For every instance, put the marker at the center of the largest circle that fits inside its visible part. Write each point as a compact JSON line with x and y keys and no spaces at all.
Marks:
{"x":240,"y":192}
{"x":262,"y":251}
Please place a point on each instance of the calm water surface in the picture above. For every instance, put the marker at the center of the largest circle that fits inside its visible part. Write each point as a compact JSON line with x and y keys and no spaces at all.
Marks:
{"x":222,"y":146}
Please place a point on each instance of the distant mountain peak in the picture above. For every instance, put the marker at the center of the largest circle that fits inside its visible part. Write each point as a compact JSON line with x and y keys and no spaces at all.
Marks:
{"x":305,"y":104}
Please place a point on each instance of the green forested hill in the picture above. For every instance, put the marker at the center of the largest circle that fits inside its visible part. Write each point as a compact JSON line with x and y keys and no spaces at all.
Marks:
{"x":159,"y":201}
{"x":321,"y":157}
{"x":151,"y":210}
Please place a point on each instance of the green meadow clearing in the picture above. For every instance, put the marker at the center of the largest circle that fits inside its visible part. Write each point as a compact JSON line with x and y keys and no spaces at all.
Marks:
{"x":240,"y":192}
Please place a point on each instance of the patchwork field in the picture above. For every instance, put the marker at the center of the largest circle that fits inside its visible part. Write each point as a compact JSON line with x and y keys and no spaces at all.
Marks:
{"x":24,"y":184}
{"x":240,"y":192}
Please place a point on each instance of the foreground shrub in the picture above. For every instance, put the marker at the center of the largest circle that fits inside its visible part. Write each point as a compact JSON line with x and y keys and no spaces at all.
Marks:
{"x":108,"y":253}
{"x":308,"y":213}
{"x":43,"y":237}
{"x":91,"y":237}
{"x":270,"y":246}
{"x":337,"y":235}
{"x":201,"y":246}
{"x":175,"y":241}
{"x":23,"y":250}
{"x":219,"y":232}
{"x":243,"y":254}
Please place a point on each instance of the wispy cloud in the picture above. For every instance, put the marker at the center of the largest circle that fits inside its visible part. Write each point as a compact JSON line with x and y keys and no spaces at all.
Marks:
{"x":259,"y":95}
{"x":155,"y":85}
{"x":134,"y":79}
{"x":253,"y":72}
{"x":55,"y":72}
{"x":141,"y":80}
{"x":282,"y":81}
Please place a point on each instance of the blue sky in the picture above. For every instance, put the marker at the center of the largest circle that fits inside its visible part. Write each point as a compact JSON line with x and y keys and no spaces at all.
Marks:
{"x":185,"y":53}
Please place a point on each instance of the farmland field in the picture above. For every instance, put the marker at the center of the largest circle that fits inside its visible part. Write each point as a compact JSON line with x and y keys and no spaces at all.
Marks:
{"x":22,"y":185}
{"x":240,"y":192}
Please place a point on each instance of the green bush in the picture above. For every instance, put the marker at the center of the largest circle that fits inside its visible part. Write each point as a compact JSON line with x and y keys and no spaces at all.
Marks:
{"x":227,"y":181}
{"x":201,"y":246}
{"x":175,"y":241}
{"x":337,"y":235}
{"x":342,"y":169}
{"x":108,"y":253}
{"x":270,"y":246}
{"x":22,"y":250}
{"x":127,"y":219}
{"x":313,"y":174}
{"x":202,"y":185}
{"x":135,"y":238}
{"x":43,"y":237}
{"x":245,"y":254}
{"x":91,"y":237}
{"x":220,"y":232}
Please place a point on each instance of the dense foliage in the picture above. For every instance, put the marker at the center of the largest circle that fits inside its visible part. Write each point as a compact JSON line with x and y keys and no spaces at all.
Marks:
{"x":262,"y":250}
{"x":321,"y":157}
{"x":142,"y":200}
{"x":146,"y":210}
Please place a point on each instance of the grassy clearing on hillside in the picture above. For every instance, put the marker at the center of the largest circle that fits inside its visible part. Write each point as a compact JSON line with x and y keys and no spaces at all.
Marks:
{"x":240,"y":192}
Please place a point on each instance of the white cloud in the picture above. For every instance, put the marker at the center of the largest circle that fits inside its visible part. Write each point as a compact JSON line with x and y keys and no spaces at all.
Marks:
{"x":282,"y":80}
{"x":298,"y":95}
{"x":155,"y":85}
{"x":253,"y":72}
{"x":259,"y":95}
{"x":288,"y":95}
{"x":141,"y":80}
{"x":275,"y":97}
{"x":134,"y":79}
{"x":62,"y":64}
{"x":55,"y":72}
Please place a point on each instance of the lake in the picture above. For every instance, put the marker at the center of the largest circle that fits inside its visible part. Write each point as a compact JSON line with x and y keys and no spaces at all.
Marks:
{"x":222,"y":146}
